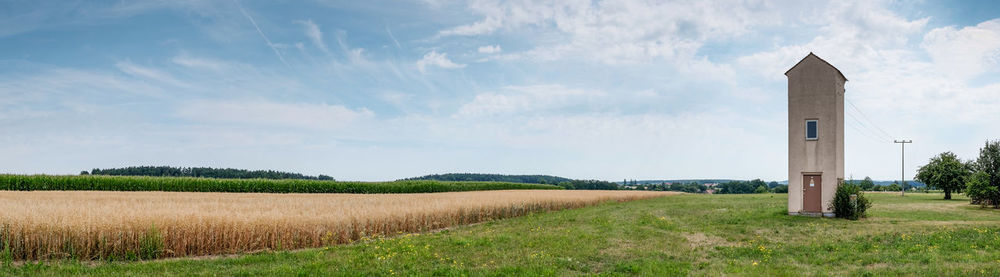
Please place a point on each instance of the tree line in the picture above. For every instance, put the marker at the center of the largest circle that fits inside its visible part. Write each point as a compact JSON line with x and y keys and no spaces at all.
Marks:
{"x":867,"y":184}
{"x":205,"y":172}
{"x":729,"y":187}
{"x":529,"y":179}
{"x":752,"y":186}
{"x":979,"y":178}
{"x":532,"y":179}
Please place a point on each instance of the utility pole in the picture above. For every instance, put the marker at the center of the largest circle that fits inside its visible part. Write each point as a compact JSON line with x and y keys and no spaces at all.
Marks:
{"x":902,"y":163}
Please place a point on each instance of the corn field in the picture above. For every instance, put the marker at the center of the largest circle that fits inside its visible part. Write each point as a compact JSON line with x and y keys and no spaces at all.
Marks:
{"x":192,"y":184}
{"x":114,"y":225}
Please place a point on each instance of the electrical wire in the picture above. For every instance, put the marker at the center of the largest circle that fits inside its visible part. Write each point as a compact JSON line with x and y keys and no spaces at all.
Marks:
{"x":865,"y":116}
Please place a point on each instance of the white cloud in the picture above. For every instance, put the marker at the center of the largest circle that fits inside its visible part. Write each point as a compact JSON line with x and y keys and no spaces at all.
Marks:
{"x":273,"y":114}
{"x":489,"y":49}
{"x":434,"y":58}
{"x":618,"y":32}
{"x":315,"y":35}
{"x":527,"y":99}
{"x":858,"y":35}
{"x":965,"y":53}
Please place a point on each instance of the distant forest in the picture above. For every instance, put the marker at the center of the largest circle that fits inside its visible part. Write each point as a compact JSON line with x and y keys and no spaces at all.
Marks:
{"x":531,"y":179}
{"x":207,"y":172}
{"x":699,"y":186}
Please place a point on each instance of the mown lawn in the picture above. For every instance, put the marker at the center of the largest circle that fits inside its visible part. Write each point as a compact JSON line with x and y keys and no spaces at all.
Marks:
{"x":675,"y":235}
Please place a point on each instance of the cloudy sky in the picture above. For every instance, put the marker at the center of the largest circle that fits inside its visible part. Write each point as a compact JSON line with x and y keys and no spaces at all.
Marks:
{"x":372,"y":90}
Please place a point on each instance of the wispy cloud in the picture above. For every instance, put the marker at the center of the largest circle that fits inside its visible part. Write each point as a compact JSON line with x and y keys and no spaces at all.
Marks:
{"x":394,"y":40}
{"x":273,"y":114}
{"x":149,"y":74}
{"x":315,"y":35}
{"x":261,"y":32}
{"x":200,"y":63}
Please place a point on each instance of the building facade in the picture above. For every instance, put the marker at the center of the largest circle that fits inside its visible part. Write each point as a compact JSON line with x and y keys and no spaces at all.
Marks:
{"x":815,"y":135}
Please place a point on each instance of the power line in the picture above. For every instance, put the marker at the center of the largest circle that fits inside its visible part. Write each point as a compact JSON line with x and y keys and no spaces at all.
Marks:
{"x":865,"y":134}
{"x":869,"y":129}
{"x":865,"y":116}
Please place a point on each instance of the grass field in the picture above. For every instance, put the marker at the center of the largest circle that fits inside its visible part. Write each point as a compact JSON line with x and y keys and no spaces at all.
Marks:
{"x":677,"y":235}
{"x":100,"y":225}
{"x":191,"y":184}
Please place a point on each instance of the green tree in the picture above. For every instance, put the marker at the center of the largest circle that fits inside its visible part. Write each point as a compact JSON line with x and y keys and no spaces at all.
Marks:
{"x":867,"y":183}
{"x":761,"y":189}
{"x":893,"y":187}
{"x":985,"y":184}
{"x":979,"y":189}
{"x":946,"y":172}
{"x":781,"y":189}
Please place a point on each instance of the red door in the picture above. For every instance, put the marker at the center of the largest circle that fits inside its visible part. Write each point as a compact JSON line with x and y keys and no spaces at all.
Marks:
{"x":812,"y":187}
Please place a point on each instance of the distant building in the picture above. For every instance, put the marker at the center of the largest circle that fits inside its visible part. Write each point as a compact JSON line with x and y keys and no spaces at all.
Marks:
{"x":815,"y":135}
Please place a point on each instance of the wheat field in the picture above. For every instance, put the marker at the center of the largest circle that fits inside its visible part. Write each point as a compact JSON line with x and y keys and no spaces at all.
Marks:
{"x":108,"y":225}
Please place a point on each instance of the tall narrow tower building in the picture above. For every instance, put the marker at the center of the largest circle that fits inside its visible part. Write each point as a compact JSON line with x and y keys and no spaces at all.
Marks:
{"x":815,"y":135}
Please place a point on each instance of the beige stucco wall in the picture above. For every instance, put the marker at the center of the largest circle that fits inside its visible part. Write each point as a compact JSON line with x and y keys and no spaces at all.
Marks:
{"x":815,"y":91}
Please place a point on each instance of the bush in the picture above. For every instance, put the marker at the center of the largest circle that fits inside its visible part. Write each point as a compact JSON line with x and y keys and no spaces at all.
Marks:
{"x":781,"y":189}
{"x":986,"y":181}
{"x":761,"y":189}
{"x":842,"y":205}
{"x":979,"y":189}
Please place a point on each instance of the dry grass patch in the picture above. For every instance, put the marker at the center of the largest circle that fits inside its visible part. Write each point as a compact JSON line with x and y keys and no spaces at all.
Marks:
{"x":701,"y":240}
{"x":91,"y":225}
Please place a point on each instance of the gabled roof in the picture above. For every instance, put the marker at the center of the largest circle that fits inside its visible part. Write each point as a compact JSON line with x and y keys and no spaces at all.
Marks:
{"x":822,"y":60}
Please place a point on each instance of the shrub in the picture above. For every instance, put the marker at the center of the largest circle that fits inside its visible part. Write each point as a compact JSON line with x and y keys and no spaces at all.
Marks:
{"x":986,"y":181}
{"x":761,"y":189}
{"x":781,"y":189}
{"x":842,"y":205}
{"x":978,"y":188}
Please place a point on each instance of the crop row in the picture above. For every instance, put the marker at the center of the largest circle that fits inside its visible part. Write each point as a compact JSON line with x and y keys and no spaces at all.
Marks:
{"x":191,"y":184}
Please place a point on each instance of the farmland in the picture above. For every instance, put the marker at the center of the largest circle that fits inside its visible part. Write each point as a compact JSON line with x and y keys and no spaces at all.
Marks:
{"x":191,"y":184}
{"x":99,"y":225}
{"x":678,"y":235}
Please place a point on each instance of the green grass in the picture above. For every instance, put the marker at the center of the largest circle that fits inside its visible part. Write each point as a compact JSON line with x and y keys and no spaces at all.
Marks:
{"x":191,"y":184}
{"x":675,"y":235}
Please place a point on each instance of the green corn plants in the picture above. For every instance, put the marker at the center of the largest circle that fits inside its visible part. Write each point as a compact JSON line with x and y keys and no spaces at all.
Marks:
{"x":192,"y":184}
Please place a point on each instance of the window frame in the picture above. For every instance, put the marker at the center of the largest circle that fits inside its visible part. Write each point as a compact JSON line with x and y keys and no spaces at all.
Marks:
{"x":817,"y":129}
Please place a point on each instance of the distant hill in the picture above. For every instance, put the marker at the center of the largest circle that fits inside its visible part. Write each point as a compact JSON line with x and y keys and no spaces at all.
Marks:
{"x":531,"y":179}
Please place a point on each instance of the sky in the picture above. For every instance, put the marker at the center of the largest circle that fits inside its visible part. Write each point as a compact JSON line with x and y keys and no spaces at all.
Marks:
{"x":381,"y":90}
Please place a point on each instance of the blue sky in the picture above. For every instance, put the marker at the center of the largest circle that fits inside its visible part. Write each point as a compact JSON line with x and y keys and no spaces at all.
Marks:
{"x":376,"y":90}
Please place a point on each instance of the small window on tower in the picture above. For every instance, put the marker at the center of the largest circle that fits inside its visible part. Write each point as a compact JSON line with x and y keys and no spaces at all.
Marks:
{"x":811,"y":129}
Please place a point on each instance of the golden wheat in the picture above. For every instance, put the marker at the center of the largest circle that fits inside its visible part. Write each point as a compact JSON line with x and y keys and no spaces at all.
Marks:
{"x":141,"y":225}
